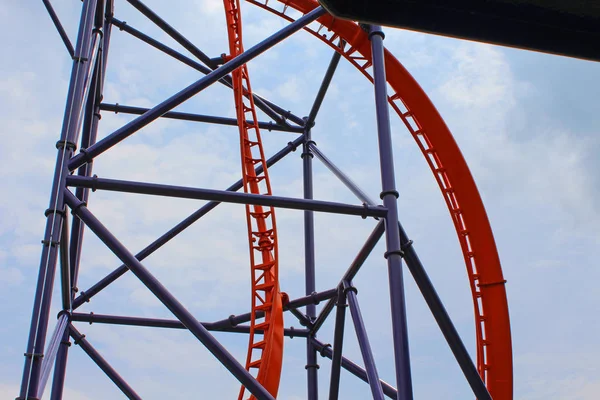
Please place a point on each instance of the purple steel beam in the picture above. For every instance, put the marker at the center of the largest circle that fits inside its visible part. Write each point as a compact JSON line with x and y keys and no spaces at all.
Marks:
{"x":88,"y":138}
{"x":59,"y":28}
{"x":358,"y":261}
{"x":172,"y":324}
{"x":223,"y":196}
{"x":270,"y":126}
{"x":78,"y":208}
{"x":309,"y":226}
{"x":56,"y":209}
{"x":362,"y":196}
{"x":58,"y":380}
{"x":80,"y":340}
{"x":51,"y":352}
{"x":389,"y":195}
{"x":427,"y":290}
{"x":312,"y":115}
{"x":65,"y":267}
{"x":338,"y":344}
{"x":363,"y":342}
{"x":312,"y":366}
{"x":354,"y":369}
{"x":193,"y":89}
{"x":177,"y":229}
{"x":209,"y":62}
{"x":72,"y":252}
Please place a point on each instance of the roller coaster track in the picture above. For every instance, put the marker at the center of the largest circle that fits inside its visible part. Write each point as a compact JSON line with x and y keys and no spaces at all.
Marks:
{"x":265,"y":348}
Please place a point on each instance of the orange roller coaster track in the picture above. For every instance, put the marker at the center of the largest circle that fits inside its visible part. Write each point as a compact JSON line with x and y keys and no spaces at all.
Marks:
{"x":265,"y":351}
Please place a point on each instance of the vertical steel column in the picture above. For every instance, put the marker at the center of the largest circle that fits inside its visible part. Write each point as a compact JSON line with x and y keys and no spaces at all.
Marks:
{"x":389,"y":195}
{"x":56,"y":209}
{"x":88,"y":138}
{"x":338,"y":344}
{"x":363,"y":342}
{"x":312,"y":366}
{"x":104,"y":10}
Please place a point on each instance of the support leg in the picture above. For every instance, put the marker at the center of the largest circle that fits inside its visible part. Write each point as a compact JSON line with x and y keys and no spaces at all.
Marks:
{"x":312,"y":366}
{"x":389,"y":196}
{"x":56,"y":209}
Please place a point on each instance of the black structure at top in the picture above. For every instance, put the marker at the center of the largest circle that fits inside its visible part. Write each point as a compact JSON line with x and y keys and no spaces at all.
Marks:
{"x":564,"y":27}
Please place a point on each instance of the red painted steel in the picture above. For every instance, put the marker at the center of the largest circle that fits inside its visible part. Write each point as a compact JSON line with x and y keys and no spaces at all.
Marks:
{"x":407,"y":98}
{"x":265,"y":348}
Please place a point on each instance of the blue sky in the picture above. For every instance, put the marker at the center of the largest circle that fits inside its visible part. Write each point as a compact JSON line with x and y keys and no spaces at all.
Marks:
{"x":527,"y":124}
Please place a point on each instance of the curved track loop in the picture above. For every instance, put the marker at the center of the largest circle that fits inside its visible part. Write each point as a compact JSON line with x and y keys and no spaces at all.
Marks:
{"x":265,"y":348}
{"x":407,"y":98}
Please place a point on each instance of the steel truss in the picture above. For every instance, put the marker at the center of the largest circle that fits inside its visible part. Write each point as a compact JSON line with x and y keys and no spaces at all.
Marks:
{"x":73,"y":179}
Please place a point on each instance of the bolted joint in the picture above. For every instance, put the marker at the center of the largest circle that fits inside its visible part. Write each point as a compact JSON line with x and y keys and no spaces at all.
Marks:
{"x":232,"y":320}
{"x":51,"y":211}
{"x":407,"y":245}
{"x":61,"y":144}
{"x":393,"y":252}
{"x":325,"y":347}
{"x":64,"y":312}
{"x":389,"y":193}
{"x":34,"y":355}
{"x":50,"y":243}
{"x":293,"y":146}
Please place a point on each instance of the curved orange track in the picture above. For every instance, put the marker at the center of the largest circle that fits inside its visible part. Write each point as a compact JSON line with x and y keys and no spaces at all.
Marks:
{"x":407,"y":98}
{"x":265,"y":348}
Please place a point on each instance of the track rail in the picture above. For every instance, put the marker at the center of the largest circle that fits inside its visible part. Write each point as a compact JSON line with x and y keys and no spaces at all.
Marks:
{"x":419,"y":115}
{"x":265,"y":350}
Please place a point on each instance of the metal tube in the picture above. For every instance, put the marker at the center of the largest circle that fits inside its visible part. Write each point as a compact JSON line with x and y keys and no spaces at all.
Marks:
{"x":80,"y":340}
{"x":166,"y":298}
{"x":58,"y":380}
{"x":363,"y":342}
{"x":358,"y":261}
{"x":55,"y":212}
{"x":362,"y":196}
{"x":392,"y":236}
{"x":59,"y":27}
{"x":51,"y":352}
{"x":354,"y":369}
{"x":223,"y":196}
{"x":193,"y":89}
{"x":72,"y":252}
{"x":335,"y":60}
{"x":88,"y":138}
{"x":270,"y":126}
{"x":309,"y":266}
{"x":171,"y":324}
{"x":65,"y":267}
{"x":338,"y":344}
{"x":177,"y":229}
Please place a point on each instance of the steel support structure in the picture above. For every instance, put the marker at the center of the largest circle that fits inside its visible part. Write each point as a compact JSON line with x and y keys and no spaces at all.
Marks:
{"x":74,"y":181}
